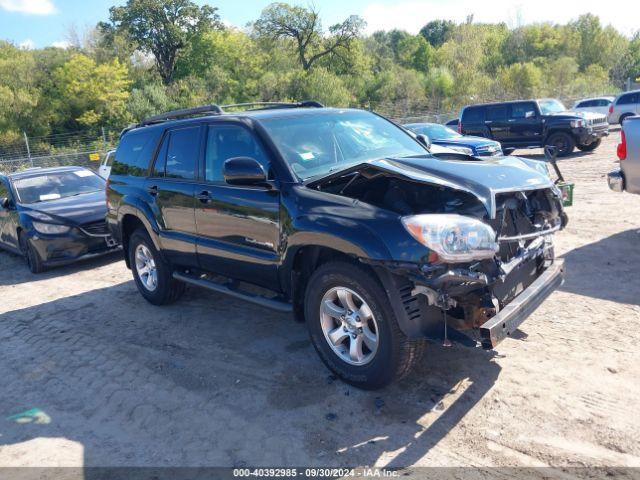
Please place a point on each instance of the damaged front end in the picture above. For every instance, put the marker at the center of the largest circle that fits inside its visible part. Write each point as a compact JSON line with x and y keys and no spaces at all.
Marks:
{"x":488,"y":231}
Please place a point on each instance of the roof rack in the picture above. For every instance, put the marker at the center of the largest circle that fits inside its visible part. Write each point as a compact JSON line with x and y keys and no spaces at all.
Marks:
{"x":274,"y":105}
{"x":182,"y":113}
{"x":218,"y":110}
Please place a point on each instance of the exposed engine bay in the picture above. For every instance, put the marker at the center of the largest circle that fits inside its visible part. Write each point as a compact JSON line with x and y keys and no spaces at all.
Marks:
{"x":469,"y":294}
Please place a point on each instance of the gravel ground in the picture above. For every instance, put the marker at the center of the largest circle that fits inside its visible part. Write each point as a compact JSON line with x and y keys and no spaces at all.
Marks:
{"x":92,"y":375}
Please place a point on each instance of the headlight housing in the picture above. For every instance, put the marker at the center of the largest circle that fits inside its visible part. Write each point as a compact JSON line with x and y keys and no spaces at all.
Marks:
{"x":465,"y":150}
{"x":578,"y":123}
{"x":455,"y":238}
{"x":50,"y":228}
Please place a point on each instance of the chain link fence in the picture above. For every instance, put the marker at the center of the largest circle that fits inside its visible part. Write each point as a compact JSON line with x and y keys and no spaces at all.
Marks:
{"x":85,"y":149}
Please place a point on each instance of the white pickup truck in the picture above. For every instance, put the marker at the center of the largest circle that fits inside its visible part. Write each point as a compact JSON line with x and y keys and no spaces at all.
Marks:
{"x":627,"y":178}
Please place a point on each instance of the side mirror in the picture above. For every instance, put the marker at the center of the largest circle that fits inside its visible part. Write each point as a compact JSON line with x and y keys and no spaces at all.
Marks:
{"x":5,"y":203}
{"x":424,"y":140}
{"x":244,"y":171}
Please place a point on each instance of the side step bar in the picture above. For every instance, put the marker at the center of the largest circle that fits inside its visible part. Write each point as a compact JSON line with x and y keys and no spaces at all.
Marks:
{"x":274,"y":304}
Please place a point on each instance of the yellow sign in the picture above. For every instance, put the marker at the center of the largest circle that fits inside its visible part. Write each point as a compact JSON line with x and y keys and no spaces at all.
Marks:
{"x":94,"y":157}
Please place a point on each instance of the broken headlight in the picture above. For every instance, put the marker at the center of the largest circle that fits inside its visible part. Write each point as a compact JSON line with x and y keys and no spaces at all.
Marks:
{"x":455,"y":238}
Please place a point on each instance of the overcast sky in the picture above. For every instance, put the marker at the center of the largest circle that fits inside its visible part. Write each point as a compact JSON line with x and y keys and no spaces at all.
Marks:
{"x":39,"y":23}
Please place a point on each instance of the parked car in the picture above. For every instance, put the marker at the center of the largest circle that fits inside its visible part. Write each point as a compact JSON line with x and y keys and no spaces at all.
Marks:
{"x":104,"y":170}
{"x":625,"y":105}
{"x":341,"y":217}
{"x":627,"y":177}
{"x":535,"y":124}
{"x":445,"y":137}
{"x":54,"y":216}
{"x":595,"y":105}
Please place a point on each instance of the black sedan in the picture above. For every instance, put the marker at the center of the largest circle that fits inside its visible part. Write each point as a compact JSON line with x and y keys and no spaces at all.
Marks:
{"x":54,"y":216}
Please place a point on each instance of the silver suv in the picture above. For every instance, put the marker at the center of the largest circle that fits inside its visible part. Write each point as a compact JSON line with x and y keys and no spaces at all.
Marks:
{"x":625,"y":105}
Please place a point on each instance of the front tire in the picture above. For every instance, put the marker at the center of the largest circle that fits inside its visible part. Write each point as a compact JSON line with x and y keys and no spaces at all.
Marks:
{"x":353,"y":327}
{"x":591,"y":147}
{"x":153,"y":276}
{"x":31,"y":257}
{"x":564,"y":143}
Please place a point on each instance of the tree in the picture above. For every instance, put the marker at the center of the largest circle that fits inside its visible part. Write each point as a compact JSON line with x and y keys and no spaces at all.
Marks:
{"x":437,"y":32}
{"x":162,"y":27}
{"x":302,"y":25}
{"x":89,"y":94}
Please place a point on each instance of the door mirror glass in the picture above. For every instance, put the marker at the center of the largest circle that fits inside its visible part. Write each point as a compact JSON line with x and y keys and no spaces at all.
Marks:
{"x":424,"y":140}
{"x":244,"y":171}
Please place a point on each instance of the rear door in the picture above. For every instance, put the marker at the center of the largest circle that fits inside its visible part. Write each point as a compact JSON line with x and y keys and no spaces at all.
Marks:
{"x":472,"y":121}
{"x":172,"y":185}
{"x":497,"y":123}
{"x":238,"y":227}
{"x":525,"y":125}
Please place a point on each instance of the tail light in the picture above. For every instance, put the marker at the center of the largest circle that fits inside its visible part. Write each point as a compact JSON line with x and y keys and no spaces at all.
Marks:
{"x":459,"y":126}
{"x":611,"y":108}
{"x":622,"y":146}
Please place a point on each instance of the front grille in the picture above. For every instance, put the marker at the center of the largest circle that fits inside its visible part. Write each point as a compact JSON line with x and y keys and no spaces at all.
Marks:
{"x":96,"y":229}
{"x":598,"y":121}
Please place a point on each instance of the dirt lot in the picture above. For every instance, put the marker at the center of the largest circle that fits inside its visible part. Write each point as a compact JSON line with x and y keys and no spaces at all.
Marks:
{"x":93,"y":375}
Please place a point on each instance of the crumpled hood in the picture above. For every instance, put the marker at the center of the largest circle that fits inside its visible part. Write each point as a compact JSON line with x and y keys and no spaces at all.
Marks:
{"x":78,"y":210}
{"x":481,"y":178}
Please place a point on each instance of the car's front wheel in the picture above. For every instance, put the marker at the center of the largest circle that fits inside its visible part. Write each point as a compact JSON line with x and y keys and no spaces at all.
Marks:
{"x":153,"y":276}
{"x":563,"y":142}
{"x":31,"y":257}
{"x":353,"y":327}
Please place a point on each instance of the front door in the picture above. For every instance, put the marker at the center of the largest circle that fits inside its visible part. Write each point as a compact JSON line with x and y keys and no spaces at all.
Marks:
{"x":8,"y":218}
{"x":525,"y":126}
{"x":496,"y":123}
{"x":172,"y":185}
{"x":238,"y":227}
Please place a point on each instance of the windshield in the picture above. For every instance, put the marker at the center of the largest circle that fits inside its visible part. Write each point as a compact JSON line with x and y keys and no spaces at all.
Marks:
{"x":434,"y":131}
{"x":56,"y":185}
{"x":320,"y":144}
{"x":548,"y":107}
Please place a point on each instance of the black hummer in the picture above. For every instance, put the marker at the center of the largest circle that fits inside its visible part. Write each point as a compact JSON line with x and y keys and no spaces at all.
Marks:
{"x":341,"y":217}
{"x":533,"y":124}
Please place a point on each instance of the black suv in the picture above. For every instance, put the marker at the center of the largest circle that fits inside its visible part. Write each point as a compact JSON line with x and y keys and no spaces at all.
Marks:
{"x":534,"y":124}
{"x":344,"y":219}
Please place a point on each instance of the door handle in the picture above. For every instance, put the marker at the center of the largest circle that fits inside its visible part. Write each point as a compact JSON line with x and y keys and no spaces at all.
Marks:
{"x":204,"y":196}
{"x":153,"y":190}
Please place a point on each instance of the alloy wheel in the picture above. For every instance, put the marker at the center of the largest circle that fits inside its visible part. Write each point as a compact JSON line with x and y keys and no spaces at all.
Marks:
{"x":146,"y":267}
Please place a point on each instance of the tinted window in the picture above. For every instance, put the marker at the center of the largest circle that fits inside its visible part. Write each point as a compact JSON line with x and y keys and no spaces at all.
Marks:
{"x":602,"y":103}
{"x":584,"y":104}
{"x":134,"y":152}
{"x":523,"y":110}
{"x":229,"y":141}
{"x":178,"y":155}
{"x":473,"y":114}
{"x":496,"y":113}
{"x":627,"y":99}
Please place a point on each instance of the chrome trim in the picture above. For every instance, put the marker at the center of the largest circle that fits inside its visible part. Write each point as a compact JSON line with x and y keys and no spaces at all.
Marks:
{"x":526,"y":236}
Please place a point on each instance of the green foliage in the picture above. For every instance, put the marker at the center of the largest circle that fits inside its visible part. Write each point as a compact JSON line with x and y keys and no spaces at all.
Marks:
{"x":158,"y":55}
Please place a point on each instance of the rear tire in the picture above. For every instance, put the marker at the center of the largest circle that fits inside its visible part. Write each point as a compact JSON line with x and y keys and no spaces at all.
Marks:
{"x":31,"y":257}
{"x":392,"y":355}
{"x":591,"y":147}
{"x":153,"y":276}
{"x":564,"y":143}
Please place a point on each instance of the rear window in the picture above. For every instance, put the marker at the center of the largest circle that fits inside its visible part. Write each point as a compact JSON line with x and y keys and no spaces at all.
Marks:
{"x":497,"y":113}
{"x":179,"y":154}
{"x":134,"y":152}
{"x":628,"y":99}
{"x":473,"y":114}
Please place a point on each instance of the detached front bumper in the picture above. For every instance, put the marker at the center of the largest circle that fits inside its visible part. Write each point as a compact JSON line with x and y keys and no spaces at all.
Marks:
{"x":615,"y":180}
{"x":505,"y":322}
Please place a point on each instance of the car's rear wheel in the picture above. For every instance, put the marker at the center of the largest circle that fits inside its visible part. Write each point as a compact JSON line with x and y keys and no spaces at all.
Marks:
{"x":591,"y":147}
{"x":153,"y":276}
{"x":31,"y":257}
{"x":563,"y":142}
{"x":353,"y":327}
